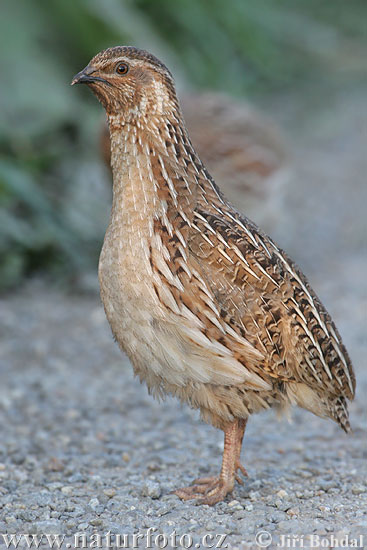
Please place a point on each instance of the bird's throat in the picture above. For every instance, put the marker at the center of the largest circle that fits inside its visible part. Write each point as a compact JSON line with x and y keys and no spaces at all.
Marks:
{"x":153,"y":167}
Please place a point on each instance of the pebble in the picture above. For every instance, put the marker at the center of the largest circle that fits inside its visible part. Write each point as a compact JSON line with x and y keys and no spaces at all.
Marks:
{"x":51,"y":526}
{"x":10,"y":519}
{"x":67,"y":490}
{"x":358,"y":489}
{"x":240,"y":514}
{"x":96,"y":522}
{"x":93,"y":503}
{"x":151,"y":489}
{"x":109,"y":492}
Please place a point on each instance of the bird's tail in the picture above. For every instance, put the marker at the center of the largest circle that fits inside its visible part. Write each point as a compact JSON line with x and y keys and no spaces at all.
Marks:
{"x":339,"y":413}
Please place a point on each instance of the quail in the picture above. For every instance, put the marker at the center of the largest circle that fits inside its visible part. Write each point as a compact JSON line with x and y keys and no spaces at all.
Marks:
{"x":207,"y":307}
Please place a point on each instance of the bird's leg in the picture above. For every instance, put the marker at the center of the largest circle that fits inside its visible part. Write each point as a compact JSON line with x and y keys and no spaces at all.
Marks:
{"x":210,"y":490}
{"x":241,"y":432}
{"x":241,"y":426}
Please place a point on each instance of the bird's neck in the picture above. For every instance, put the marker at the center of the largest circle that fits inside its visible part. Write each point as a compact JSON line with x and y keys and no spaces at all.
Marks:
{"x":152,"y":161}
{"x":162,"y":134}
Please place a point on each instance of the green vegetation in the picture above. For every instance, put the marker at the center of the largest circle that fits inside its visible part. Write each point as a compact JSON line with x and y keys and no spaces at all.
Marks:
{"x":54,"y":191}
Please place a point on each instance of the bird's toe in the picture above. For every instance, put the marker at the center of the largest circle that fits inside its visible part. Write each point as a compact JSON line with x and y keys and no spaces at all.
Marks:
{"x":207,"y":490}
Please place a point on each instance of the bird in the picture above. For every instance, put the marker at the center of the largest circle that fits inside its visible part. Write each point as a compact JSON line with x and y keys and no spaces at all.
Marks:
{"x":207,"y":307}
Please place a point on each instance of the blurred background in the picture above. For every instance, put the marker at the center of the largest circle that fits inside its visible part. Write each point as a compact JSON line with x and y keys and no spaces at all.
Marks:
{"x":301,"y":63}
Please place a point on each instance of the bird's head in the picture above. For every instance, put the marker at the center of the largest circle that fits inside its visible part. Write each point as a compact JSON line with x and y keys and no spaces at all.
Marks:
{"x":129,"y":82}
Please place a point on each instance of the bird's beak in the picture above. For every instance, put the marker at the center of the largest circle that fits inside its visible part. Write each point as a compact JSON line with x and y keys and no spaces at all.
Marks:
{"x":86,"y":76}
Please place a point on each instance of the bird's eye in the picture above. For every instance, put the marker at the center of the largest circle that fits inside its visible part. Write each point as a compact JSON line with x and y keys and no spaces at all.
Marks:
{"x":122,"y":68}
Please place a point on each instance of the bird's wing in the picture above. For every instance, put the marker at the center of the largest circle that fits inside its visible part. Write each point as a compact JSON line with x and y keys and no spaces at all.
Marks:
{"x":266,"y":301}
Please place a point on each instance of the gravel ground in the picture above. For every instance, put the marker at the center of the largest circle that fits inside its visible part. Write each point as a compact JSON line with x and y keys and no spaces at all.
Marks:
{"x":84,"y":449}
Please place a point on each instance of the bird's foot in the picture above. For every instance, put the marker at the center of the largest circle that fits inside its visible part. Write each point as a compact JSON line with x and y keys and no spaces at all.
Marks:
{"x":207,"y":490}
{"x":210,"y":490}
